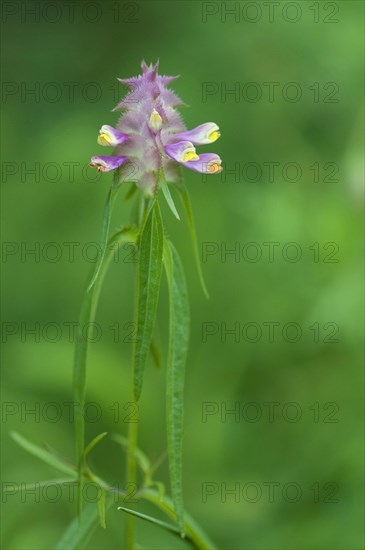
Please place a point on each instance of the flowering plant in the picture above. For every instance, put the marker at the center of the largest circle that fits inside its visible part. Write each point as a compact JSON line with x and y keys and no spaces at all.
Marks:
{"x":151,"y":144}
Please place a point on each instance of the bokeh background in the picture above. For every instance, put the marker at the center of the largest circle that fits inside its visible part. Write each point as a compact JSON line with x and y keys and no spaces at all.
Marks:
{"x":314,"y":440}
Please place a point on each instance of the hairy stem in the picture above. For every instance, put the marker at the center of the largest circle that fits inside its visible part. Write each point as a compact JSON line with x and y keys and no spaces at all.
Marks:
{"x":131,"y":482}
{"x":129,"y":534}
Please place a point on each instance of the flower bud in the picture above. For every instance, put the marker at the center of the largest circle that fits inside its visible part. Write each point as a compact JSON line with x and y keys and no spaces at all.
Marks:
{"x":155,"y":122}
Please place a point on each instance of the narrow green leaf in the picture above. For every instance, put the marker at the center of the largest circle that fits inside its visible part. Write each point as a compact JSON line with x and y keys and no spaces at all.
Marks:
{"x":170,"y":201}
{"x":42,"y":454}
{"x":178,"y":348}
{"x":92,"y":444}
{"x":77,"y":535}
{"x":87,"y":470}
{"x":185,"y":199}
{"x":101,"y":509}
{"x":148,"y":287}
{"x":167,"y":526}
{"x":87,"y":315}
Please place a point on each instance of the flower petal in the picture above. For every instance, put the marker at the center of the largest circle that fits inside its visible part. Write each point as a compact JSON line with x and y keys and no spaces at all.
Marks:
{"x":106,"y":164}
{"x":110,"y":136}
{"x":183,"y":151}
{"x":208,"y":163}
{"x":201,"y":135}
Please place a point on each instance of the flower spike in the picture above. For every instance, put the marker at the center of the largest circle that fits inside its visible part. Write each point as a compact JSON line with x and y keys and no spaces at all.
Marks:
{"x":151,"y":134}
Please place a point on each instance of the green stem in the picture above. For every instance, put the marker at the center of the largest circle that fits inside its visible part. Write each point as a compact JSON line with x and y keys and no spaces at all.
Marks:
{"x":131,"y":482}
{"x":129,"y":534}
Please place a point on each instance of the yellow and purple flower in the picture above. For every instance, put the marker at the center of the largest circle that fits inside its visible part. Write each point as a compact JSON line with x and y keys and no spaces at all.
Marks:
{"x":151,"y":134}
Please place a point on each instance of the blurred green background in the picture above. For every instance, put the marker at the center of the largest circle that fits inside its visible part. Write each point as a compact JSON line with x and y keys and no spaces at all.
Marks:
{"x":315,"y":384}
